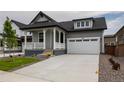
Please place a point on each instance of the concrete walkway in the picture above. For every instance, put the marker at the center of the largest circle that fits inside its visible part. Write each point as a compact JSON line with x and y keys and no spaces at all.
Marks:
{"x":7,"y":54}
{"x":64,"y":68}
{"x":13,"y":77}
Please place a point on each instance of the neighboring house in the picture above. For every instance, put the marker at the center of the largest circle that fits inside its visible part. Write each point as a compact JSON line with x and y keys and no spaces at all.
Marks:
{"x":80,"y":36}
{"x":5,"y":49}
{"x":20,"y":34}
{"x":120,"y":42}
{"x":110,"y":44}
{"x":109,"y":40}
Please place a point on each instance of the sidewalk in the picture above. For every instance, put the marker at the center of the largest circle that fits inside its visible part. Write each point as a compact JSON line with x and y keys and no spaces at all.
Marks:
{"x":13,"y":77}
{"x":7,"y":54}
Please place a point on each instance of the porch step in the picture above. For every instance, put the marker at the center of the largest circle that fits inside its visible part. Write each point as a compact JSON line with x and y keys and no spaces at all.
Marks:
{"x":46,"y":54}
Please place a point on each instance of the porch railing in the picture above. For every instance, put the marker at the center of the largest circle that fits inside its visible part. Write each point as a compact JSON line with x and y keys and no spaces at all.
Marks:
{"x":60,"y":45}
{"x":33,"y":45}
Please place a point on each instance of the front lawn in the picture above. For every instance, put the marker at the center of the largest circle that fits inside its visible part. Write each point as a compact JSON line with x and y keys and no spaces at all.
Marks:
{"x":9,"y":64}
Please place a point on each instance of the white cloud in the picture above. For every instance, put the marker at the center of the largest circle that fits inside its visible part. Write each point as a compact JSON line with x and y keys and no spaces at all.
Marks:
{"x":114,"y":25}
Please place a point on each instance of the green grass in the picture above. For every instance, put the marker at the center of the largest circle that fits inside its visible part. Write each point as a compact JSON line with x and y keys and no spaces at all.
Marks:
{"x":8,"y":64}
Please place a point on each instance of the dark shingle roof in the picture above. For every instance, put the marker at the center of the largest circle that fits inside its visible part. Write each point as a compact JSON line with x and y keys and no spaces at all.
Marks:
{"x":109,"y":36}
{"x":98,"y":24}
{"x":18,"y":23}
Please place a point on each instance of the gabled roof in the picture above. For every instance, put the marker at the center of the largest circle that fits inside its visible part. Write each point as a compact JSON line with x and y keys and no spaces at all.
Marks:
{"x":18,"y":23}
{"x":42,"y":14}
{"x":98,"y":24}
{"x":119,"y":30}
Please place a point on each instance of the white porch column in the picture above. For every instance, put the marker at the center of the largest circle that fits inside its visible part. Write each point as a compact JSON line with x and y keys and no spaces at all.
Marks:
{"x":25,"y":40}
{"x":103,"y":50}
{"x":59,"y":37}
{"x":64,"y":37}
{"x":44,"y":39}
{"x":54,"y":38}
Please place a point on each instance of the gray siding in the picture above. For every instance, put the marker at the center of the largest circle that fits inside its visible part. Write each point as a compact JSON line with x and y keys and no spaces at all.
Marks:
{"x":35,"y":36}
{"x":86,"y":34}
{"x":49,"y":39}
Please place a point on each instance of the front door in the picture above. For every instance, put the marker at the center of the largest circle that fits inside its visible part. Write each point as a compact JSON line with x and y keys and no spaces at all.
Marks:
{"x":49,"y":39}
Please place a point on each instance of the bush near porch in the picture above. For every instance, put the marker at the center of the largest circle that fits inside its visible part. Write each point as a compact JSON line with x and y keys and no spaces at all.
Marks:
{"x":10,"y":64}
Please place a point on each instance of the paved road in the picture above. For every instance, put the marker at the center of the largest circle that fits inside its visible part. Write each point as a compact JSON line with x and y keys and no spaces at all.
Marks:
{"x":64,"y":68}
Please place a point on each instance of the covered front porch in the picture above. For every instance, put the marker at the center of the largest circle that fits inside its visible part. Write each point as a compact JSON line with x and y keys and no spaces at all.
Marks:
{"x":45,"y":38}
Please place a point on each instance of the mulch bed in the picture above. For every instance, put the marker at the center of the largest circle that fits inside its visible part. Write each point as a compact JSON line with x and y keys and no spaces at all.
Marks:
{"x":106,"y":73}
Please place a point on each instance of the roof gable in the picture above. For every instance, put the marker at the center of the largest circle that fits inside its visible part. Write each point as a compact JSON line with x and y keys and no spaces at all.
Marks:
{"x":41,"y":17}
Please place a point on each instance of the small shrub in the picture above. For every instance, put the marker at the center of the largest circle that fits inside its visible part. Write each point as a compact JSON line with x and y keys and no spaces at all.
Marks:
{"x":10,"y":56}
{"x":34,"y":55}
{"x":111,"y":61}
{"x":19,"y":55}
{"x":116,"y":66}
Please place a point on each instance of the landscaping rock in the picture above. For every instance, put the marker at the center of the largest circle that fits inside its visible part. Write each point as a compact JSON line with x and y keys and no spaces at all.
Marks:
{"x":107,"y":74}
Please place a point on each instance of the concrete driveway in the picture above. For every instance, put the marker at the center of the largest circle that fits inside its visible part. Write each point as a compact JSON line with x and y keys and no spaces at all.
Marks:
{"x":64,"y":68}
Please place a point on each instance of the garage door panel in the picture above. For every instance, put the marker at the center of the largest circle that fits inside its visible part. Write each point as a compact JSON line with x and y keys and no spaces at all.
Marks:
{"x":83,"y":46}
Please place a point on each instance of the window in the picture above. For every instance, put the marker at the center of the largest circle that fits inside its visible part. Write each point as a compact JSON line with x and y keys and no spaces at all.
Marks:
{"x":82,"y":24}
{"x":40,"y":37}
{"x":30,"y":33}
{"x":57,"y":36}
{"x":78,"y":24}
{"x":71,"y":40}
{"x":94,"y":39}
{"x":87,"y":23}
{"x":86,"y":40}
{"x":61,"y":37}
{"x":112,"y":43}
{"x":106,"y":44}
{"x":79,"y":40}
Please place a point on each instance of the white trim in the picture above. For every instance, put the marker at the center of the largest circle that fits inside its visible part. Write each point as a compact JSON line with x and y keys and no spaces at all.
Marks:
{"x":90,"y":24}
{"x":63,"y":37}
{"x":103,"y":46}
{"x":54,"y":38}
{"x":59,"y":36}
{"x":25,"y":41}
{"x":44,"y":39}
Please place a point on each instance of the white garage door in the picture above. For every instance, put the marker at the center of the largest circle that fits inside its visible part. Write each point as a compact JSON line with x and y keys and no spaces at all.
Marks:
{"x":89,"y":45}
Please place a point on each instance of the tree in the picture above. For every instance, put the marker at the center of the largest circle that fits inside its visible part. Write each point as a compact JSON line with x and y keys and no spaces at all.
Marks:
{"x":9,"y":35}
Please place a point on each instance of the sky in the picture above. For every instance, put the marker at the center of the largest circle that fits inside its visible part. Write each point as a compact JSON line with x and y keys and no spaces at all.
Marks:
{"x":114,"y":20}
